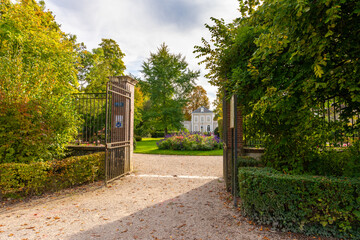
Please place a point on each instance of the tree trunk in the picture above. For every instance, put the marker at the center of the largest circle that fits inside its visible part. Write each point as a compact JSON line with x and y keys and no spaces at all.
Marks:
{"x":165,"y":131}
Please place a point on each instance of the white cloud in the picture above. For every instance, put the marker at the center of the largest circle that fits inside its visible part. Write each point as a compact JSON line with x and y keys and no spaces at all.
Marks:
{"x":140,"y":26}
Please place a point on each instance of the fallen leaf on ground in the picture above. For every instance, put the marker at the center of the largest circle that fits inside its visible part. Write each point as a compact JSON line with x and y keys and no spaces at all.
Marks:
{"x":183,"y":225}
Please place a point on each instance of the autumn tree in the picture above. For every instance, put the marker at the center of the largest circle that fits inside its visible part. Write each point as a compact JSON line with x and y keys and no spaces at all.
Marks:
{"x":37,"y":78}
{"x":197,"y":98}
{"x":167,"y":80}
{"x":139,"y":101}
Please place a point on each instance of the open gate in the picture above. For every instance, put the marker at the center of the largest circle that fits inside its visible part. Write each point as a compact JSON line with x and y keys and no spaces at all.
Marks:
{"x":107,"y":125}
{"x":118,"y":137}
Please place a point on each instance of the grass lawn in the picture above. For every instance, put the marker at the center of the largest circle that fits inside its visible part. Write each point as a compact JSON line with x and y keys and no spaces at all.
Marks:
{"x":148,"y":146}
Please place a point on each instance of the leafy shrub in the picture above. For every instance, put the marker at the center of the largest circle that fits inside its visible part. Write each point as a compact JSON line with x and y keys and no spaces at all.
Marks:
{"x":37,"y":115}
{"x":77,"y":170}
{"x":157,"y":134}
{"x":20,"y":179}
{"x":220,"y":126}
{"x":216,"y":131}
{"x":186,"y":141}
{"x":138,"y":138}
{"x":27,"y":179}
{"x":246,"y":161}
{"x":186,"y":130}
{"x":161,"y":134}
{"x":308,"y":204}
{"x":345,"y":162}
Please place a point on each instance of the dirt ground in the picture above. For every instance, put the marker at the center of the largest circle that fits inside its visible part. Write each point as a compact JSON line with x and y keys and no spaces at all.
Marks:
{"x":167,"y":197}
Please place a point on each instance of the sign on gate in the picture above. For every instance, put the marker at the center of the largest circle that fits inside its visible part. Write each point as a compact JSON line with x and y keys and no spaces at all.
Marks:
{"x":119,"y":104}
{"x":119,"y":121}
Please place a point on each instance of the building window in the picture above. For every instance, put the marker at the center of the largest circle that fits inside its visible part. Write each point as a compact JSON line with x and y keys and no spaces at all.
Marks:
{"x":208,"y":119}
{"x":196,"y":128}
{"x":208,"y":128}
{"x":202,"y":119}
{"x":196,"y":119}
{"x":202,"y":109}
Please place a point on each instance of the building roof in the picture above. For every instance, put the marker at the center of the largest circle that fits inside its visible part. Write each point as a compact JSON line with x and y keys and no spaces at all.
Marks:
{"x":204,"y":111}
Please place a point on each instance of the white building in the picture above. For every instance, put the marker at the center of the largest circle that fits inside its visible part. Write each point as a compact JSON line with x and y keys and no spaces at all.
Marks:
{"x":202,"y":120}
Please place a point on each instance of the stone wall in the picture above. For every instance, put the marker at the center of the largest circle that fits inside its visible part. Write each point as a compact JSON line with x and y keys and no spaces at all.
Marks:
{"x":79,"y":150}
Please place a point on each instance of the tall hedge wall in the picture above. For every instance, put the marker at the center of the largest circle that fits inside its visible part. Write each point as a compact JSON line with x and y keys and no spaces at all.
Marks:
{"x":306,"y":204}
{"x":20,"y":179}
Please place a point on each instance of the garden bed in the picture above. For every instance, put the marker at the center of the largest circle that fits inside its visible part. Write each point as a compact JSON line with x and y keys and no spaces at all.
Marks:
{"x":190,"y":142}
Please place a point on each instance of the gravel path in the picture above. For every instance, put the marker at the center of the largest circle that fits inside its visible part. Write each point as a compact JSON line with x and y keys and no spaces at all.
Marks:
{"x":167,"y":197}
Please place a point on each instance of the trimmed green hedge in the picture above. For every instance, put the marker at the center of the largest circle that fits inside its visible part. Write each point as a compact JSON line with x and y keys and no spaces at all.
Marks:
{"x":19,"y":179}
{"x":306,"y":204}
{"x":246,"y":161}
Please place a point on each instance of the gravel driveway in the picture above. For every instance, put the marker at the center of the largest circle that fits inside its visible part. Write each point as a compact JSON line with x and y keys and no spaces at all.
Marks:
{"x":167,"y":197}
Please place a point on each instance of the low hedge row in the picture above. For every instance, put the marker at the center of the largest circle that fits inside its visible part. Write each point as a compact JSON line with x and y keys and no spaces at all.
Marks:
{"x":306,"y":204}
{"x":246,"y":161}
{"x":19,"y":179}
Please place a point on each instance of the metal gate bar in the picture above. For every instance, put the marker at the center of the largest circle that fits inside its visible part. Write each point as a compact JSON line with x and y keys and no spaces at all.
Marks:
{"x":91,"y":108}
{"x":118,"y":108}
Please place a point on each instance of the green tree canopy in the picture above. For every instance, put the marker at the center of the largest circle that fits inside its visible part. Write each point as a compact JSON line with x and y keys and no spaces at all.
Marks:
{"x":168,"y":81}
{"x":37,"y":78}
{"x":218,"y":105}
{"x":283,"y":59}
{"x":98,"y":65}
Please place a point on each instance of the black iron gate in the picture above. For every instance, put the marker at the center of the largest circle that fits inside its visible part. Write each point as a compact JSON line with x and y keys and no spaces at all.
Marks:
{"x":117,"y":134}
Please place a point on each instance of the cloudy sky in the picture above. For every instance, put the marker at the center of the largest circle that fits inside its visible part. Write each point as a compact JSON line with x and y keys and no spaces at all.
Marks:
{"x":140,"y":26}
